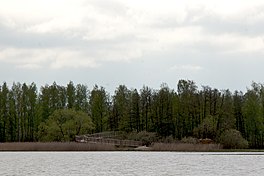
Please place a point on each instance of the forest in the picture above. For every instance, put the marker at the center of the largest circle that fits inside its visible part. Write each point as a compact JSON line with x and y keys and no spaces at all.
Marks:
{"x":58,"y":113}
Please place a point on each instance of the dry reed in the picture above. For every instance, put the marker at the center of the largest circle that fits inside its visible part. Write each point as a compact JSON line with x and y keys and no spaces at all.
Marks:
{"x":73,"y":146}
{"x":55,"y":146}
{"x":185,"y":147}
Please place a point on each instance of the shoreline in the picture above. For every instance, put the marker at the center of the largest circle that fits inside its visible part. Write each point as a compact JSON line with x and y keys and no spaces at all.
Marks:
{"x":83,"y":147}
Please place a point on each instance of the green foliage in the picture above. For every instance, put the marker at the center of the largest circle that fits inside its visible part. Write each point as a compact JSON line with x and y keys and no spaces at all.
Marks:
{"x":3,"y":111}
{"x":232,"y":139}
{"x":29,"y":115}
{"x":168,"y":139}
{"x":226,"y":119}
{"x":146,"y":137}
{"x":98,"y":108}
{"x":186,"y":115}
{"x":64,"y":124}
{"x":134,"y":115}
{"x":145,"y":108}
{"x":71,"y":95}
{"x":253,"y":112}
{"x":121,"y":105}
{"x":207,"y":129}
{"x":162,"y":111}
{"x":81,"y":103}
{"x":190,"y":140}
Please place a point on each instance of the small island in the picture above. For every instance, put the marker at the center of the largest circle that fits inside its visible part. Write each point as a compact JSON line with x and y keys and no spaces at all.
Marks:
{"x":74,"y":118}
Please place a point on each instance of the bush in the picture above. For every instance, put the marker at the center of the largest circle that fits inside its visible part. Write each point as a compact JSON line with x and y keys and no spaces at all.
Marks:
{"x":186,"y":147}
{"x":232,"y":139}
{"x":64,"y":125}
{"x":207,"y":129}
{"x":168,"y":139}
{"x":190,"y":140}
{"x":146,"y":137}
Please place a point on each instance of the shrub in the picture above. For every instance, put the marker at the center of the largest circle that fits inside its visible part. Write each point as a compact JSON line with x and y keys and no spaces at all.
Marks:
{"x":146,"y":137}
{"x":185,"y":147}
{"x":64,"y":125}
{"x":207,"y":129}
{"x":168,"y":139}
{"x":190,"y":140}
{"x":232,"y":139}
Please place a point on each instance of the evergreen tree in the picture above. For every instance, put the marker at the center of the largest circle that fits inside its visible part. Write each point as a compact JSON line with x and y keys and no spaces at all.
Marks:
{"x":4,"y":112}
{"x":134,"y":111}
{"x":81,"y":98}
{"x":145,"y":108}
{"x":121,"y":108}
{"x":99,"y":108}
{"x":70,"y":95}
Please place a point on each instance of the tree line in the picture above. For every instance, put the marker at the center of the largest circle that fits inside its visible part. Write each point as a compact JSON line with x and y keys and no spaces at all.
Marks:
{"x":31,"y":114}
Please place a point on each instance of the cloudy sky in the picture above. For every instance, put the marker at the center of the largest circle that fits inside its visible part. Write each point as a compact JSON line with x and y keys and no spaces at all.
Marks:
{"x":132,"y":42}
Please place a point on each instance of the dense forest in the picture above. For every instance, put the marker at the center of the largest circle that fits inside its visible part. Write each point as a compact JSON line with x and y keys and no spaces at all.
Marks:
{"x":55,"y":112}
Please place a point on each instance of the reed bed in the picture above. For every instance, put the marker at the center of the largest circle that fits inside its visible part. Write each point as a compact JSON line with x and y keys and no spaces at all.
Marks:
{"x":55,"y":146}
{"x":74,"y":146}
{"x":185,"y":147}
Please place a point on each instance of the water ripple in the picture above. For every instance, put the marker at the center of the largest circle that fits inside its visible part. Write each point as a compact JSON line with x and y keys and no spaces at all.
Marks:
{"x":130,"y":163}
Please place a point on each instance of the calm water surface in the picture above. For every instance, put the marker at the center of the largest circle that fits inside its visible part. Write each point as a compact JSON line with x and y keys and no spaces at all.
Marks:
{"x":130,"y":163}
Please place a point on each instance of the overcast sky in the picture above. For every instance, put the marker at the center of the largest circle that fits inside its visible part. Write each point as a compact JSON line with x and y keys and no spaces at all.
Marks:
{"x":132,"y":42}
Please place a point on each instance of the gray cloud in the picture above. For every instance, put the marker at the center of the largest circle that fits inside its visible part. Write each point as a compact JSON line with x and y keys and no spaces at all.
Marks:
{"x":249,"y":23}
{"x":114,"y":43}
{"x":113,"y":8}
{"x":15,"y":38}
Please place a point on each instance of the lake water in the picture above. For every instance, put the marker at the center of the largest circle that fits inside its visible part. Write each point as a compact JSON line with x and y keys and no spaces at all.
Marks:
{"x":130,"y":163}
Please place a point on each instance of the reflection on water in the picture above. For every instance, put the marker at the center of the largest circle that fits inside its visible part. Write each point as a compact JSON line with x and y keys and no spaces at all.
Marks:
{"x":130,"y":163}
